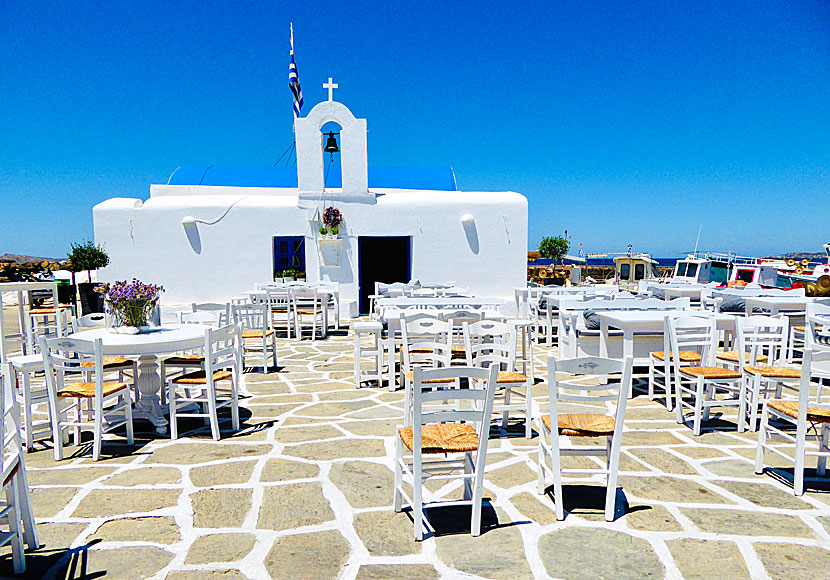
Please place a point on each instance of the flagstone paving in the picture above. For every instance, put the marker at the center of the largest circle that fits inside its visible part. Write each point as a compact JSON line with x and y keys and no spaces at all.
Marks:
{"x":303,"y":491}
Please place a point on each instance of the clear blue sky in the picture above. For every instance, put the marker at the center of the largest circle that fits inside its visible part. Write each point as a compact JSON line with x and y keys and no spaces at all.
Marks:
{"x":622,"y":122}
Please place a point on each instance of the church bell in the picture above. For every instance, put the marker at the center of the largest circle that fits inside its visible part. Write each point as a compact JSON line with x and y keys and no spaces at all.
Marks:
{"x":331,"y":144}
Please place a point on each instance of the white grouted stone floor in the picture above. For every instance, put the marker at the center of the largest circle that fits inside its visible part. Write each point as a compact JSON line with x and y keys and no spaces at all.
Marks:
{"x":304,"y":491}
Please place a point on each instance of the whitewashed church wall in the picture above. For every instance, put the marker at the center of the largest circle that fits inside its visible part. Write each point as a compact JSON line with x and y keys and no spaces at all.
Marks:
{"x":200,"y":262}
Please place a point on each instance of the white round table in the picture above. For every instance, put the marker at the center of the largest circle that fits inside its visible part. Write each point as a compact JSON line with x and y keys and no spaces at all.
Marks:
{"x":171,"y":338}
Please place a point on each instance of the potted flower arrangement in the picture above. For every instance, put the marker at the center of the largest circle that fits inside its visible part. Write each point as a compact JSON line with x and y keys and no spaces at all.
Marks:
{"x":131,"y":307}
{"x":332,"y":218}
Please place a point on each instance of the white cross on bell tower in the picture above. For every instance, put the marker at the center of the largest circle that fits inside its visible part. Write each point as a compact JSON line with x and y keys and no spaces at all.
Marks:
{"x":331,"y":86}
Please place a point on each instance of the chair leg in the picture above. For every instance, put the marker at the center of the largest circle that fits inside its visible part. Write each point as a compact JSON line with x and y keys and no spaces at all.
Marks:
{"x":556,"y":466}
{"x":214,"y":417}
{"x":397,"y":500}
{"x":505,"y":416}
{"x":357,"y":360}
{"x":611,"y":490}
{"x":650,"y":380}
{"x":824,"y":446}
{"x":171,"y":405}
{"x":128,"y":416}
{"x":97,"y":433}
{"x":755,"y":401}
{"x":417,"y":498}
{"x":762,"y":441}
{"x":235,"y":401}
{"x":528,"y":410}
{"x":699,"y":394}
{"x":18,"y":557}
{"x":540,"y":461}
{"x":25,"y":511}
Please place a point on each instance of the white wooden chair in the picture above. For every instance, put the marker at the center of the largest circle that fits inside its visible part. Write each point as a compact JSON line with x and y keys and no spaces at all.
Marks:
{"x":817,"y":337}
{"x":69,"y":384}
{"x":126,"y":368}
{"x":457,"y":318}
{"x":425,"y":342}
{"x":438,"y":426}
{"x":16,"y":510}
{"x":257,"y":336}
{"x":332,"y":302}
{"x":806,"y":416}
{"x":703,"y":385}
{"x":659,"y":370}
{"x":281,"y":310}
{"x":764,"y":336}
{"x":222,"y":363}
{"x":307,"y":304}
{"x":583,"y":388}
{"x":491,"y":343}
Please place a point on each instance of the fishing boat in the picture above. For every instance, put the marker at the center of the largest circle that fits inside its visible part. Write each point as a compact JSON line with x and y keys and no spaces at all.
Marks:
{"x":814,"y":278}
{"x":630,"y":269}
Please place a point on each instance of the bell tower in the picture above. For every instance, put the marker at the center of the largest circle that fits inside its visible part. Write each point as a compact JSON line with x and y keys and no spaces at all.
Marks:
{"x":353,"y":153}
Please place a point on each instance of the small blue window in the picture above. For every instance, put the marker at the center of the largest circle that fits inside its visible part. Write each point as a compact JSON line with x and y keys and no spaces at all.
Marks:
{"x":289,"y":253}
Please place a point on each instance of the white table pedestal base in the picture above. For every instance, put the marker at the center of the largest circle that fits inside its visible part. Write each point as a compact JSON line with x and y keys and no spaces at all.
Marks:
{"x":148,"y":405}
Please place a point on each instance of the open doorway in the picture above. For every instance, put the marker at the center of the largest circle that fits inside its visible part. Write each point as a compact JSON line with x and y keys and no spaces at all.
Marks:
{"x":382,"y":259}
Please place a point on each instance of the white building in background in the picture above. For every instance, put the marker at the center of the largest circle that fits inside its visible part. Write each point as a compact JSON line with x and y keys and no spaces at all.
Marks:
{"x":211,"y":233}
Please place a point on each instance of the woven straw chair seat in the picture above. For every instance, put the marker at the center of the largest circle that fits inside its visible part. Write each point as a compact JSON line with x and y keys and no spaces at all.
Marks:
{"x":200,"y":378}
{"x":583,"y":424}
{"x":87,"y":390}
{"x":511,"y":377}
{"x":790,"y":408}
{"x":185,"y":359}
{"x":800,"y":328}
{"x":685,"y":356}
{"x":732,"y":356}
{"x":774,"y":372}
{"x":710,"y":372}
{"x":46,"y":310}
{"x":442,"y":438}
{"x":410,"y":376}
{"x":309,"y":312}
{"x":111,"y":362}
{"x":256,"y":333}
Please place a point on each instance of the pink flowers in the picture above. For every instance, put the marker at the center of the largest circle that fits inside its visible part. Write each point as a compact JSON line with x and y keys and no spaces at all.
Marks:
{"x":130,"y":303}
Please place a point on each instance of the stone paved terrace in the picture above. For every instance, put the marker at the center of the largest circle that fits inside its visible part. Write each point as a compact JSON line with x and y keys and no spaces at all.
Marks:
{"x":304,"y":491}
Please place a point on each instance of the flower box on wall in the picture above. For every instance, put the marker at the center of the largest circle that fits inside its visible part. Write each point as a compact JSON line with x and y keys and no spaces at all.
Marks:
{"x":329,"y":251}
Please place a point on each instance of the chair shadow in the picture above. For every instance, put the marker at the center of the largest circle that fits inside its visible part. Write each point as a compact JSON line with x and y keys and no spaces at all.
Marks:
{"x":813,"y":482}
{"x":515,"y":429}
{"x":453,"y":520}
{"x":582,"y":499}
{"x":58,"y":563}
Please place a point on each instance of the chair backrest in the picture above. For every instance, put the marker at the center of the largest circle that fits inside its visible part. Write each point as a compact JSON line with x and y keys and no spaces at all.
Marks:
{"x":220,"y":310}
{"x":585,"y":384}
{"x":817,"y":326}
{"x":432,"y":405}
{"x":222,"y":349}
{"x":691,"y":333}
{"x":64,"y":356}
{"x":810,"y":358}
{"x":9,"y":423}
{"x":490,"y":343}
{"x":306,"y":297}
{"x":767,"y":335}
{"x":252,"y":316}
{"x":426,"y":342}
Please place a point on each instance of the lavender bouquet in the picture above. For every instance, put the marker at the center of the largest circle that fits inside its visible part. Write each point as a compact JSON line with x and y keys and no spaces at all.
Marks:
{"x":332,"y":218}
{"x":130,"y":303}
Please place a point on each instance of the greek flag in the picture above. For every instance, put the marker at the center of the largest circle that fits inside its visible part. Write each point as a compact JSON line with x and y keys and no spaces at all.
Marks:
{"x":294,"y":79}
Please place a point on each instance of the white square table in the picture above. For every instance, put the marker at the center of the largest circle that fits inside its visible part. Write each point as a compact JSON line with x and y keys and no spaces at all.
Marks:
{"x":776,"y":304}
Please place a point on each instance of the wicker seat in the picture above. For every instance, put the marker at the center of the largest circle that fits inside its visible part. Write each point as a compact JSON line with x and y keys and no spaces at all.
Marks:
{"x":87,"y":390}
{"x":583,"y":424}
{"x":111,"y":362}
{"x":442,"y":438}
{"x":46,"y":310}
{"x":511,"y":377}
{"x":185,"y":359}
{"x":256,"y":333}
{"x":200,"y":378}
{"x":774,"y":372}
{"x":710,"y":372}
{"x":410,"y":374}
{"x":790,"y":408}
{"x":685,"y":356}
{"x":732,"y":356}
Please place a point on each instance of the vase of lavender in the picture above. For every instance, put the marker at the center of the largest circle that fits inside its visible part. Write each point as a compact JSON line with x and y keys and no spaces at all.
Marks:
{"x":131,"y":307}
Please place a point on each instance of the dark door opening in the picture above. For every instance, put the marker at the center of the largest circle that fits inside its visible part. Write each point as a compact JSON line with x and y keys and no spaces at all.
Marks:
{"x":382,"y":259}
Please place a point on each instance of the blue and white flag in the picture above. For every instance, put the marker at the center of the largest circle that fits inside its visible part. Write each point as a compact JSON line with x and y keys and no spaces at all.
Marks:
{"x":294,"y":80}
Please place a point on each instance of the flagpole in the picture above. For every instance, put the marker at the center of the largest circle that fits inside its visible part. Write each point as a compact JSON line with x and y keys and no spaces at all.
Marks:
{"x":291,"y":28}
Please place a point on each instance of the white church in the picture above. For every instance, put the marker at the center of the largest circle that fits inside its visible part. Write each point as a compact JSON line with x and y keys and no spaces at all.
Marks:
{"x":212,"y":232}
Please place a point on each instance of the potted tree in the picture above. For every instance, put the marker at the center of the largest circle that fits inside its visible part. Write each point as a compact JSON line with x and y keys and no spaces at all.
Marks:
{"x":554,"y":247}
{"x":88,"y":256}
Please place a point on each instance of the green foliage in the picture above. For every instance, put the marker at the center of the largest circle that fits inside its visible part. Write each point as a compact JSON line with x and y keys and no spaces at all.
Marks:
{"x":87,"y":256}
{"x":335,"y":230}
{"x":294,"y":273}
{"x":555,"y":247}
{"x":323,"y":230}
